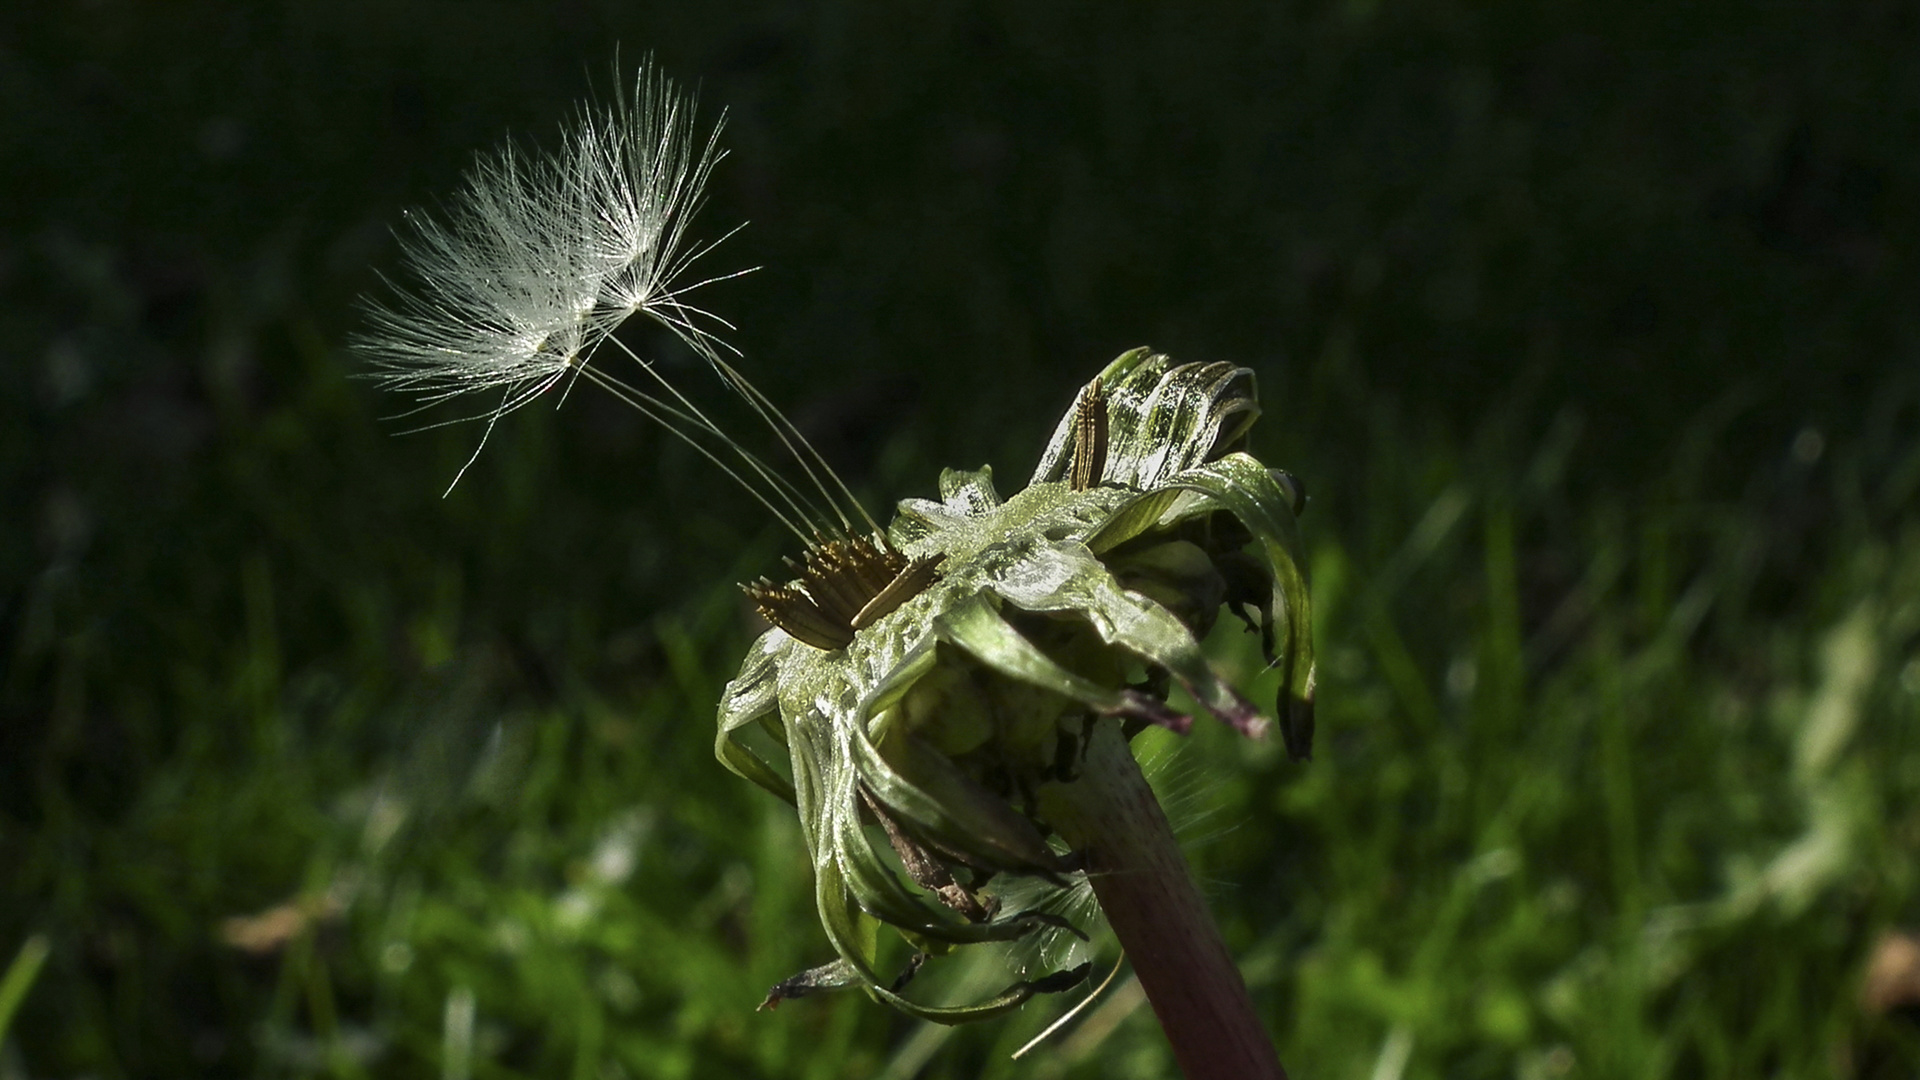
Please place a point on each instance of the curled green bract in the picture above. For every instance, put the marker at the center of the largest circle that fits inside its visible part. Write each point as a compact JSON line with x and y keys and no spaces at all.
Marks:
{"x":914,"y":753}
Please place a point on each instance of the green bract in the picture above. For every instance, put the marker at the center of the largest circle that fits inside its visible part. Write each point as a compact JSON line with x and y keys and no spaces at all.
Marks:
{"x":1055,"y":610}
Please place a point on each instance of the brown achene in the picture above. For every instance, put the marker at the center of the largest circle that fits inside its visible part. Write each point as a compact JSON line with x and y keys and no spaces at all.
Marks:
{"x":844,"y":585}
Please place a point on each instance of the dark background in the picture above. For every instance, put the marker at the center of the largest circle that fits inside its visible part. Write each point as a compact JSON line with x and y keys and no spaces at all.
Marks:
{"x":1663,"y":252}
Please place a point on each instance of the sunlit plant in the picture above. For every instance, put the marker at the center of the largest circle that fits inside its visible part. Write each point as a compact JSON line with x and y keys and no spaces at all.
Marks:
{"x":946,"y":701}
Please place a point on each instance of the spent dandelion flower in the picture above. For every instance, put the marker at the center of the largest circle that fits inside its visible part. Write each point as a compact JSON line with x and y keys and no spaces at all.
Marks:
{"x":948,"y":701}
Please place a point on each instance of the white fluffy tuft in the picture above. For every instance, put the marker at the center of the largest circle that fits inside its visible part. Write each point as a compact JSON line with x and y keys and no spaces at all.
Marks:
{"x":539,"y":259}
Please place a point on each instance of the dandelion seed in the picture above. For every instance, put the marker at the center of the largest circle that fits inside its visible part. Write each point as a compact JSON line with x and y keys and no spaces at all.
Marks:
{"x":517,"y":283}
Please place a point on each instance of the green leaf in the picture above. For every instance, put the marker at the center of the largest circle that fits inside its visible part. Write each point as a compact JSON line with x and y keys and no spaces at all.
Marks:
{"x":969,"y":492}
{"x":852,"y":933}
{"x":1245,"y":488}
{"x":1132,"y":519}
{"x":1065,"y":577}
{"x":978,"y":629}
{"x":923,"y":788}
{"x":753,"y":695}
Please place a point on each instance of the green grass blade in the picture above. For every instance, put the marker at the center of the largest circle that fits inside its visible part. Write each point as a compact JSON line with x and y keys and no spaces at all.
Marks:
{"x":20,"y":975}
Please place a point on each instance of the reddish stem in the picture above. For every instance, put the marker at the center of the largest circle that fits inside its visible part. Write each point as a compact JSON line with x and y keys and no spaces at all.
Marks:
{"x":1136,"y":869}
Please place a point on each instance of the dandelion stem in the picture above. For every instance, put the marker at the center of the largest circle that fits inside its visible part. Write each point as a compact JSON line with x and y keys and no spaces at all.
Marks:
{"x":1135,"y":867}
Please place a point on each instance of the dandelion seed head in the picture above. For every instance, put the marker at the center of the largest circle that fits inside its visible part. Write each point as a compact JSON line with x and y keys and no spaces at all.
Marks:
{"x":512,"y":286}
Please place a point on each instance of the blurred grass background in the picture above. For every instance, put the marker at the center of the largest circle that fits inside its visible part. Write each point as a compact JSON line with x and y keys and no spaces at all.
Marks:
{"x":1591,"y":328}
